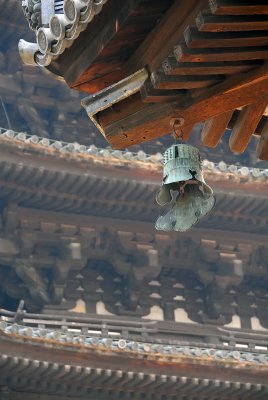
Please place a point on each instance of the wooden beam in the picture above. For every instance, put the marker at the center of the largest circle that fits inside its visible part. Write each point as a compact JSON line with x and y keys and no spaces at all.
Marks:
{"x":151,"y":121}
{"x":162,"y":81}
{"x":214,"y":129}
{"x":172,"y":67}
{"x":132,"y":108}
{"x":259,"y":128}
{"x":91,"y":42}
{"x":207,"y":22}
{"x":208,"y":40}
{"x":168,"y":32}
{"x":262,"y":148}
{"x":246,"y":125}
{"x":121,"y":110}
{"x":238,"y":7}
{"x":151,"y":95}
{"x":185,"y":54}
{"x":95,"y":85}
{"x":235,"y":92}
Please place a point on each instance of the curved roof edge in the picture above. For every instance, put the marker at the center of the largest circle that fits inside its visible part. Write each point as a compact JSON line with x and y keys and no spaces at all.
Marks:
{"x":140,"y":161}
{"x":173,"y":351}
{"x":57,"y":25}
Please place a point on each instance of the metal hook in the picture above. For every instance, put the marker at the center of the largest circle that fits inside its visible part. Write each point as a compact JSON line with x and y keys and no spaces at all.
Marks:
{"x":177,"y":125}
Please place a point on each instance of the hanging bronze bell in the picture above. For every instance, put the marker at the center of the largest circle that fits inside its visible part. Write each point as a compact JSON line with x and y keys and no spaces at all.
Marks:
{"x":185,"y":188}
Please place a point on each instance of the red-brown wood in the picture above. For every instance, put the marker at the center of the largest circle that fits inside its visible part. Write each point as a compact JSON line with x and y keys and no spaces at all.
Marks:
{"x":210,"y":40}
{"x":100,"y":52}
{"x":207,"y":22}
{"x":185,"y":54}
{"x":154,"y":121}
{"x":167,"y":33}
{"x":262,"y":148}
{"x":162,"y":81}
{"x":238,"y":7}
{"x":172,"y":67}
{"x":214,"y":129}
{"x":246,"y":125}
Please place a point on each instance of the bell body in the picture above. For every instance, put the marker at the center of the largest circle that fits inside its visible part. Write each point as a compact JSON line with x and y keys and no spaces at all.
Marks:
{"x":182,"y":173}
{"x":182,"y":162}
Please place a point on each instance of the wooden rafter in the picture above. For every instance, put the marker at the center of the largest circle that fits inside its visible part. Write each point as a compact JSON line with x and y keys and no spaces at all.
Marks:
{"x":246,"y":125}
{"x":205,"y":60}
{"x":262,"y":149}
{"x":90,"y":44}
{"x":238,"y":7}
{"x":235,"y":92}
{"x":162,"y":81}
{"x":167,"y":33}
{"x":154,"y":120}
{"x":185,"y":54}
{"x":214,"y":40}
{"x":207,"y":22}
{"x":172,"y":67}
{"x":214,"y":129}
{"x":150,"y":94}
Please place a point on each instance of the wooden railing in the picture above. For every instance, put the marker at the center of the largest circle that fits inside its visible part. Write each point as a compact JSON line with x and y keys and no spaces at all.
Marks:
{"x":157,"y":332}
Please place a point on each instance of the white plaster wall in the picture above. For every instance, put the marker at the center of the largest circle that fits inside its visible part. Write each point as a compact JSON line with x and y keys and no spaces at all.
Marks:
{"x":235,"y":323}
{"x":156,"y":314}
{"x":256,"y":325}
{"x":101,"y":309}
{"x":182,"y":316}
{"x":80,"y":307}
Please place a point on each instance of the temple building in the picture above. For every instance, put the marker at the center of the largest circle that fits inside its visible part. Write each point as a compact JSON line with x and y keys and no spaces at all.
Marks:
{"x":95,"y":303}
{"x":152,"y":65}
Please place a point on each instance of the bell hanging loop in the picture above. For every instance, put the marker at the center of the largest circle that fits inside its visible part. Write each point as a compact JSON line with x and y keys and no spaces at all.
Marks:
{"x":177,"y":124}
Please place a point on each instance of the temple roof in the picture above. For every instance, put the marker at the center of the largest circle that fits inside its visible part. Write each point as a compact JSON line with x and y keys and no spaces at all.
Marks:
{"x":43,"y":106}
{"x":74,"y":349}
{"x":152,"y":65}
{"x":57,"y":176}
{"x":67,"y":207}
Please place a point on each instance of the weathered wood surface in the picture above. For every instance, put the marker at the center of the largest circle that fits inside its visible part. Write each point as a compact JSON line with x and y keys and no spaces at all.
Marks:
{"x":209,"y":40}
{"x":76,"y":60}
{"x":185,"y":54}
{"x":150,"y":94}
{"x":207,"y":22}
{"x":238,"y":7}
{"x":96,"y":59}
{"x":198,"y":84}
{"x":172,"y":67}
{"x":214,"y":129}
{"x":246,"y":125}
{"x":115,"y":244}
{"x":237,"y":91}
{"x":160,"y":41}
{"x":262,"y":149}
{"x":163,"y":81}
{"x":213,"y":40}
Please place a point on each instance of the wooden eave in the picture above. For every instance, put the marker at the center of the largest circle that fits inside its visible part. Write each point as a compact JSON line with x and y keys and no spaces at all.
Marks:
{"x":100,"y":370}
{"x":205,"y":60}
{"x":42,"y":177}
